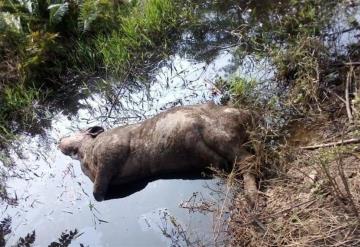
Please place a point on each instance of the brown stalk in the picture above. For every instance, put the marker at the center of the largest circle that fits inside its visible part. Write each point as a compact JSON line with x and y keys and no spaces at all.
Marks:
{"x":332,"y":144}
{"x":347,"y":93}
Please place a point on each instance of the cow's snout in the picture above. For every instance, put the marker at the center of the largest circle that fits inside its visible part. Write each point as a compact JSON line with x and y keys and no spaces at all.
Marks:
{"x":69,"y":145}
{"x":57,"y":142}
{"x":61,"y":145}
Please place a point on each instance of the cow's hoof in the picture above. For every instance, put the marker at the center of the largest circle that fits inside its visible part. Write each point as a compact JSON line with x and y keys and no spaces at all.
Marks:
{"x":98,"y":197}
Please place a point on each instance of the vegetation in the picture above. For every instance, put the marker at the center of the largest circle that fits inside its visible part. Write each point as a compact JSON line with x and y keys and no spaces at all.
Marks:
{"x":38,"y":55}
{"x":144,"y":30}
{"x":309,"y":194}
{"x":309,"y":191}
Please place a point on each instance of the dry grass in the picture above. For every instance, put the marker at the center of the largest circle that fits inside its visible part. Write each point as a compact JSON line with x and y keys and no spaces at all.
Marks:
{"x":313,"y":201}
{"x":307,"y":198}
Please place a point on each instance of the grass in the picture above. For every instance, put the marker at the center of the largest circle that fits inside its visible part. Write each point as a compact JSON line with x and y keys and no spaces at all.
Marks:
{"x":148,"y":27}
{"x":301,"y":68}
{"x":307,"y":198}
{"x":17,"y":103}
{"x":37,"y":47}
{"x":242,"y":89}
{"x":295,"y":45}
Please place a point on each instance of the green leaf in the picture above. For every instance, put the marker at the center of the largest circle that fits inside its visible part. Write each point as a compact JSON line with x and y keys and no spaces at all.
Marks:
{"x":9,"y":21}
{"x":57,"y":11}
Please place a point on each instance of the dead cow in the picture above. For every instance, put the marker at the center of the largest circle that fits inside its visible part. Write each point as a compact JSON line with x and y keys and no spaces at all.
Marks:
{"x":182,"y":139}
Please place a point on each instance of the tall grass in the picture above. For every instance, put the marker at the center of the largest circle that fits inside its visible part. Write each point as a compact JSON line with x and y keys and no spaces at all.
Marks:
{"x":42,"y":45}
{"x":17,"y":105}
{"x":149,"y":25}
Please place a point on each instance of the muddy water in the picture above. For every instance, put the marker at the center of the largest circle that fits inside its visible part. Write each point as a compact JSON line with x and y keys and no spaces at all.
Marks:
{"x":53,"y":194}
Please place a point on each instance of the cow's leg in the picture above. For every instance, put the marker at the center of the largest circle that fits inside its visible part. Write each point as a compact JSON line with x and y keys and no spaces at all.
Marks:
{"x":244,"y":159}
{"x":101,"y":184}
{"x":250,"y":188}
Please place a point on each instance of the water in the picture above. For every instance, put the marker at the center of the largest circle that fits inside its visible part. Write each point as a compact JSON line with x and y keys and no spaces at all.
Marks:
{"x":54,"y":195}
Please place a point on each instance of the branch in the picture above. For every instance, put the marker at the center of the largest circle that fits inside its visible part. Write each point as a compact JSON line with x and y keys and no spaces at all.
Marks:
{"x":332,"y":144}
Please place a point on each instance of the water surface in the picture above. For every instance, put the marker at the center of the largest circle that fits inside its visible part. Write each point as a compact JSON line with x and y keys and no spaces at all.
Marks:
{"x":54,"y":195}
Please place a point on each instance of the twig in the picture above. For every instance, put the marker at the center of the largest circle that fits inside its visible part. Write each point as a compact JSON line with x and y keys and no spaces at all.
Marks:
{"x":342,"y":31}
{"x":214,"y":86}
{"x":347,"y":98}
{"x":341,"y":64}
{"x":352,"y":63}
{"x":217,"y":226}
{"x":122,"y":86}
{"x":346,"y":186}
{"x":336,"y":95}
{"x":331,"y":144}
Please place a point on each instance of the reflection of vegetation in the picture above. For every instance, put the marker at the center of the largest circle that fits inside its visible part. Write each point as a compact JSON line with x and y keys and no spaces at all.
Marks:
{"x":5,"y":229}
{"x":65,"y":239}
{"x":26,"y":241}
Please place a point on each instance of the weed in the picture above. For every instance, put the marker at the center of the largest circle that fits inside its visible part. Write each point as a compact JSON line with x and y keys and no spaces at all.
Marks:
{"x":243,"y":90}
{"x":148,"y":26}
{"x":18,"y":103}
{"x":301,"y":67}
{"x":37,"y":41}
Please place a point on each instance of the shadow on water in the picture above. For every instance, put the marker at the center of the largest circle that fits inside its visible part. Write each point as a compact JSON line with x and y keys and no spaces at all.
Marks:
{"x":50,"y":190}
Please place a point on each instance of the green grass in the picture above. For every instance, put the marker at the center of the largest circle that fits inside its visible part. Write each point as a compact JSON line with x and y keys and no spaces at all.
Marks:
{"x":37,"y":47}
{"x":149,"y":25}
{"x":302,"y":66}
{"x":17,"y":105}
{"x":243,"y":90}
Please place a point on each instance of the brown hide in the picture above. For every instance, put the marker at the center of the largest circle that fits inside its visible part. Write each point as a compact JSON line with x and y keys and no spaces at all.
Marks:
{"x":183,"y":139}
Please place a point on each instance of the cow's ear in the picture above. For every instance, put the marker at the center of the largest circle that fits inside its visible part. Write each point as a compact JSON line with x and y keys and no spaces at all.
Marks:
{"x":94,"y":131}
